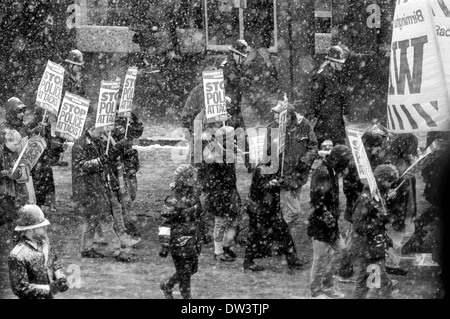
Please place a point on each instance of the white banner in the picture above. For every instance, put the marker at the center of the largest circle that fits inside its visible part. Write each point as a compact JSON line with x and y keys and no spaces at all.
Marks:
{"x":72,"y":117}
{"x":106,"y":110}
{"x":418,"y":98}
{"x":282,"y":127}
{"x":126,"y":101}
{"x":214,"y":92}
{"x":361,"y":160}
{"x":50,"y":89}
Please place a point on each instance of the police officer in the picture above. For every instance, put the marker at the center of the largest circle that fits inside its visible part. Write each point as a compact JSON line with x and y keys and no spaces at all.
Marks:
{"x":34,"y":269}
{"x":73,"y":81}
{"x":328,"y":101}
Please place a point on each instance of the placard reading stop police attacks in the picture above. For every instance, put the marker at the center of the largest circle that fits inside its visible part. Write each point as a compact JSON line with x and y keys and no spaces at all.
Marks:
{"x":50,"y":89}
{"x":214,"y":91}
{"x":126,"y":100}
{"x":106,"y":110}
{"x":72,"y":117}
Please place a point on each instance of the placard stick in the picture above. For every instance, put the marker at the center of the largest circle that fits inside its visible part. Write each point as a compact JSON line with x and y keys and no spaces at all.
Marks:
{"x":107,"y":145}
{"x":126,"y":129}
{"x":43,"y":118}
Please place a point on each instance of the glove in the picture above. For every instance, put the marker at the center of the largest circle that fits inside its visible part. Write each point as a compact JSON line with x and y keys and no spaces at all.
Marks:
{"x":115,"y":151}
{"x":62,"y":284}
{"x":164,"y":252}
{"x":54,"y":287}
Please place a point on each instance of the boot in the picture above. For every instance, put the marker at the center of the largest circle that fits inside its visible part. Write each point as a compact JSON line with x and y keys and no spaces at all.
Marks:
{"x":294,"y":262}
{"x":167,"y":289}
{"x":229,"y":252}
{"x":186,"y":293}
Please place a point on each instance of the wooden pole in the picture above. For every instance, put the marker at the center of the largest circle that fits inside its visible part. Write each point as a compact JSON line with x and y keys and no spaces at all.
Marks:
{"x":126,"y":128}
{"x":107,"y":145}
{"x":43,"y":118}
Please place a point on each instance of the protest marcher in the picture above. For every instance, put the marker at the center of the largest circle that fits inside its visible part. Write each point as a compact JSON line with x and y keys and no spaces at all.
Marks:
{"x":217,"y":178}
{"x":431,"y":177}
{"x":369,"y":238}
{"x":34,"y":269}
{"x":328,"y":102}
{"x":93,"y":194}
{"x":301,"y":150}
{"x":267,"y":228}
{"x":13,"y":192}
{"x":374,"y":141}
{"x":403,"y":206}
{"x":42,"y":173}
{"x":323,"y":226}
{"x":130,"y":161}
{"x":14,"y":115}
{"x":180,"y":232}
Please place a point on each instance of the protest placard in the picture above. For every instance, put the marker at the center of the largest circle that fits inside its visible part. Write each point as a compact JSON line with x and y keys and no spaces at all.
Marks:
{"x":72,"y":117}
{"x":106,"y":110}
{"x":126,"y":101}
{"x":424,"y":260}
{"x":50,"y":89}
{"x":31,"y":153}
{"x":214,"y":92}
{"x":256,"y":144}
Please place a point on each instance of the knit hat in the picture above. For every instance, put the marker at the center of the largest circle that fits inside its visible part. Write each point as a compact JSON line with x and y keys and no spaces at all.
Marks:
{"x":340,"y":156}
{"x":386,"y":172}
{"x":12,"y":140}
{"x":31,"y":217}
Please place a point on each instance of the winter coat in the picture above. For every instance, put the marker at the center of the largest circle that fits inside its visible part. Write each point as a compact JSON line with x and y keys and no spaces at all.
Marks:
{"x":32,"y":268}
{"x":233,"y":77}
{"x":352,"y":187}
{"x":324,"y":194}
{"x":182,"y":213}
{"x":74,"y":85}
{"x":130,"y":156}
{"x":90,"y":178}
{"x":329,"y":103}
{"x":10,"y":187}
{"x":403,"y":204}
{"x":369,"y":238}
{"x":300,"y":152}
{"x":195,"y":103}
{"x":267,"y":228}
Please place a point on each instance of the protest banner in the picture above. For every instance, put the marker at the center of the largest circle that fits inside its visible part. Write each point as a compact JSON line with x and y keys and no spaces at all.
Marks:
{"x":50,"y":89}
{"x":362,"y":161}
{"x":214,"y":93}
{"x":126,"y":100}
{"x":418,"y":99}
{"x":31,"y":153}
{"x":72,"y":117}
{"x":106,"y":110}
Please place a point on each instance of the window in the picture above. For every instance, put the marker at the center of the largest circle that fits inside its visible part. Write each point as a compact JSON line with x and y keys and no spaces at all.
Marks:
{"x":323,"y":24}
{"x":229,"y":20}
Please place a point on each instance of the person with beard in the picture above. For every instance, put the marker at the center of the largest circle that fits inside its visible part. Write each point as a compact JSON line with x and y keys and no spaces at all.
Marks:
{"x":181,"y":230}
{"x":323,"y":226}
{"x":329,"y":99}
{"x":369,"y":235}
{"x":34,"y":268}
{"x":93,"y":193}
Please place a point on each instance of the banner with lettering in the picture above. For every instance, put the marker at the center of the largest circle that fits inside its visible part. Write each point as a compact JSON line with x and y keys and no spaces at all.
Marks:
{"x":418,"y":98}
{"x":72,"y":117}
{"x":50,"y":89}
{"x":107,"y":103}
{"x":31,"y":153}
{"x":214,"y":92}
{"x":126,"y":101}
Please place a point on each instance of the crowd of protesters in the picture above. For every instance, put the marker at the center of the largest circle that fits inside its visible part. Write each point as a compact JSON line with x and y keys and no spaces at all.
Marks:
{"x":105,"y":185}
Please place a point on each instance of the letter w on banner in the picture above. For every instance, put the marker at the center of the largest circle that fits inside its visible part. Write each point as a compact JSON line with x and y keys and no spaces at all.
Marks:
{"x":418,"y":92}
